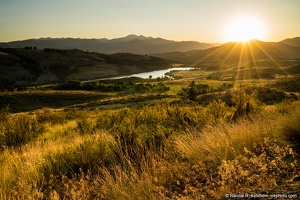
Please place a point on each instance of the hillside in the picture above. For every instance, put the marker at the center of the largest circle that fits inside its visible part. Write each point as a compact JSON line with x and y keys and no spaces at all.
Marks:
{"x":129,"y":44}
{"x":246,"y":53}
{"x":292,"y":41}
{"x":31,"y":66}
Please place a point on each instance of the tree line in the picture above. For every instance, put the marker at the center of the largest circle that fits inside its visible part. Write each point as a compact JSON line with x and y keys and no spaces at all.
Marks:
{"x":121,"y":86}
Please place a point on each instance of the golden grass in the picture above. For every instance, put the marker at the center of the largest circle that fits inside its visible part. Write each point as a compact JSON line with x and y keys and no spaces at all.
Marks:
{"x":224,"y":141}
{"x":154,"y":152}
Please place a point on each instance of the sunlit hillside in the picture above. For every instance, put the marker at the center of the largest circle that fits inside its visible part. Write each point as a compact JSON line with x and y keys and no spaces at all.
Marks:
{"x":239,"y":52}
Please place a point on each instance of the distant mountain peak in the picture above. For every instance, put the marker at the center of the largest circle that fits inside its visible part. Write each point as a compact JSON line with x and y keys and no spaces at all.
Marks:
{"x":140,"y":37}
{"x":131,"y":36}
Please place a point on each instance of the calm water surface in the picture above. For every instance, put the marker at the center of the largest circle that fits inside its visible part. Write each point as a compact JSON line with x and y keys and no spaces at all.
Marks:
{"x":154,"y":74}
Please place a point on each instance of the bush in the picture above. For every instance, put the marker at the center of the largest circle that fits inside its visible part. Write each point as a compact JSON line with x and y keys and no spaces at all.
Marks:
{"x":85,"y":126}
{"x":291,"y":129}
{"x":95,"y":151}
{"x":48,"y":116}
{"x":142,"y":88}
{"x":72,"y":84}
{"x":90,"y":86}
{"x":4,"y":113}
{"x":219,"y":111}
{"x":194,"y":90}
{"x":288,"y":84}
{"x":159,"y":87}
{"x":259,"y":164}
{"x":244,"y":101}
{"x":21,"y":130}
{"x":269,"y":166}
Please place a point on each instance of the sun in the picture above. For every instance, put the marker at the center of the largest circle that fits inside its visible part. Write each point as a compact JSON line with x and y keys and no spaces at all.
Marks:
{"x":245,"y":29}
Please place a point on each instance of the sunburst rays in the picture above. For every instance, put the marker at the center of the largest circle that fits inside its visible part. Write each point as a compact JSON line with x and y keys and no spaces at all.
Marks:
{"x":245,"y":56}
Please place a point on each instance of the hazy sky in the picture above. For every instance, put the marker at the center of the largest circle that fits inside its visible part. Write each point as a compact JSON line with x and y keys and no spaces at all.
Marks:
{"x":199,"y":20}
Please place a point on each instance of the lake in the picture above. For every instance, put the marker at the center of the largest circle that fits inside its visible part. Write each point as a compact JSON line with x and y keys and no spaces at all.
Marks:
{"x":154,"y":74}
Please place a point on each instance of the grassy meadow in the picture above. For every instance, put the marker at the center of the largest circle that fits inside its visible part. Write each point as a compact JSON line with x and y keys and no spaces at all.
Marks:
{"x":188,"y":141}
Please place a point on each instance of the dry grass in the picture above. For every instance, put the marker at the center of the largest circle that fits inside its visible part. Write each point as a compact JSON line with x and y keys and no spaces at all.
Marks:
{"x":159,"y":151}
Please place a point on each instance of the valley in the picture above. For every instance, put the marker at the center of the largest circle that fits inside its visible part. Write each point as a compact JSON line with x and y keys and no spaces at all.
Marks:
{"x":230,"y":124}
{"x":149,"y":100}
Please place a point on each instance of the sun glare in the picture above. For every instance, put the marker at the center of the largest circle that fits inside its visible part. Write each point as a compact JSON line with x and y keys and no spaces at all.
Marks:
{"x":245,"y":29}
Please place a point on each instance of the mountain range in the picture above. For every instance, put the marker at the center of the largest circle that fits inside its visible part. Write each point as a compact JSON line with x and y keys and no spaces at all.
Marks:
{"x":129,"y":44}
{"x":54,"y":63}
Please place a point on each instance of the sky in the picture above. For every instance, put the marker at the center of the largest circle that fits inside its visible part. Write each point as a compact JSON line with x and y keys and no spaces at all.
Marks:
{"x":180,"y":20}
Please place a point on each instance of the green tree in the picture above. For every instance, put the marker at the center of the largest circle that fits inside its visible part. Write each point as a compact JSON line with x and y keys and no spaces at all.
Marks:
{"x":72,"y":84}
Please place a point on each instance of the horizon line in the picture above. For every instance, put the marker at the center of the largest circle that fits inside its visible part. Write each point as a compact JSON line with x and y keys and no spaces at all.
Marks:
{"x":150,"y":37}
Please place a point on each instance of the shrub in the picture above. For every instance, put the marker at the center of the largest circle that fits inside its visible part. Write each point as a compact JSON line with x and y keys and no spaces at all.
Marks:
{"x":142,"y":88}
{"x":159,"y":87}
{"x":97,"y":150}
{"x":90,"y":86}
{"x":291,"y":129}
{"x":85,"y":126}
{"x":244,"y":101}
{"x":288,"y":84}
{"x":4,"y":113}
{"x":193,"y":90}
{"x":285,"y":106}
{"x":266,"y":168}
{"x":269,"y":166}
{"x":48,"y":116}
{"x":21,"y":130}
{"x":72,"y":84}
{"x":219,"y":111}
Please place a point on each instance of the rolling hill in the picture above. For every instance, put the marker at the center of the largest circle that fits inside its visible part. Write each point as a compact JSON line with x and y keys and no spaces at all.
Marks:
{"x":33,"y":66}
{"x":129,"y":44}
{"x":292,"y":41}
{"x":239,"y":52}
